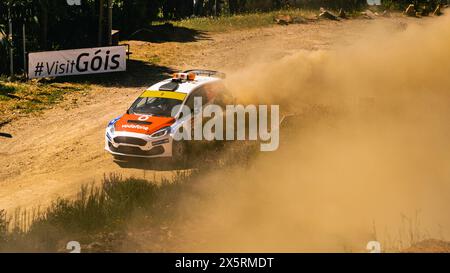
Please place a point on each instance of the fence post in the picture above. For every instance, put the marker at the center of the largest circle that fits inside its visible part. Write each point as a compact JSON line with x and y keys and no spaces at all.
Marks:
{"x":25,"y":67}
{"x":110,"y":10}
{"x":11,"y":53}
{"x":100,"y":23}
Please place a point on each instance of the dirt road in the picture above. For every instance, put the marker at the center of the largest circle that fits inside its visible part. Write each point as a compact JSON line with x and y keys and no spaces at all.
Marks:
{"x":52,"y":155}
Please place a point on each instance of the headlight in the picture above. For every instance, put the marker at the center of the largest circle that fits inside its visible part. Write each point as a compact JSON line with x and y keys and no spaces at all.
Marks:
{"x":111,"y":129}
{"x":111,"y":124}
{"x":160,"y":133}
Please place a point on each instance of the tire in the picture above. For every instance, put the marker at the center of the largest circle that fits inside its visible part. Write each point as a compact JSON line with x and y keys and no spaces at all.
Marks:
{"x":120,"y":157}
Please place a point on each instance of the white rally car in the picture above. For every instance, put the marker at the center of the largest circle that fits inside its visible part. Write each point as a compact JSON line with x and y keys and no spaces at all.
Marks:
{"x":147,"y":128}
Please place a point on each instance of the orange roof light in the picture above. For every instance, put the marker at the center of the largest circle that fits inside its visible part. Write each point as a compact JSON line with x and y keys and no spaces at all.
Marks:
{"x":184,"y":76}
{"x":179,"y":76}
{"x":191,"y":76}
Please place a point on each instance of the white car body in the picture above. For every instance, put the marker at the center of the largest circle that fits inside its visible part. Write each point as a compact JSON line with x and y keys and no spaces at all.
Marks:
{"x":149,"y":136}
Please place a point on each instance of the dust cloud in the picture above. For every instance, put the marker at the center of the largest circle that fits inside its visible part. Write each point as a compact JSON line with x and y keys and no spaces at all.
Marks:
{"x":366,"y":158}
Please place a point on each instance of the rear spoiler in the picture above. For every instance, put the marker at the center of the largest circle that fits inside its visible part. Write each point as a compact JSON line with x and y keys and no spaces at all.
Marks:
{"x":209,"y":73}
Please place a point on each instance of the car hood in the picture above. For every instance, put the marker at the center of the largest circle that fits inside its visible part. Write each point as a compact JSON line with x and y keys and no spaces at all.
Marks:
{"x":142,"y":124}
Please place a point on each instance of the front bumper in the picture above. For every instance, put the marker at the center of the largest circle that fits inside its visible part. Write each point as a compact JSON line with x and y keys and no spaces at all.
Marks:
{"x":137,"y":145}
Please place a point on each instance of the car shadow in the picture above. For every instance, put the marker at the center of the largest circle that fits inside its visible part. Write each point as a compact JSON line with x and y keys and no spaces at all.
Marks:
{"x":168,"y":33}
{"x":154,"y":164}
{"x":5,"y":135}
{"x":138,"y":74}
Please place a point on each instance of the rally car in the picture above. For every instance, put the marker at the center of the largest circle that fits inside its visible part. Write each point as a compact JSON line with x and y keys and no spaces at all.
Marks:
{"x":147,"y":128}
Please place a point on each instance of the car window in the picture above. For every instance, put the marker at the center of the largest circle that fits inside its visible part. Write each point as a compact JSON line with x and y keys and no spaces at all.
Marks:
{"x":154,"y":106}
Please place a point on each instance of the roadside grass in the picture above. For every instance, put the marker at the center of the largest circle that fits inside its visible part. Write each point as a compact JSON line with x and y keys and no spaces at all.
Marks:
{"x":100,"y":215}
{"x":21,"y":98}
{"x":95,"y":210}
{"x":249,"y":20}
{"x":99,"y":218}
{"x":241,"y":21}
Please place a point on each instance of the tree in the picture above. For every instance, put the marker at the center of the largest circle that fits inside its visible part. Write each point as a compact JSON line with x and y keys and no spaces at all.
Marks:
{"x":3,"y":48}
{"x":233,"y":6}
{"x":43,"y":23}
{"x":199,"y":8}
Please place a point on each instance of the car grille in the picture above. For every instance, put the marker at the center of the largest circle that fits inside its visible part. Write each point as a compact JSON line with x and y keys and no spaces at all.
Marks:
{"x":139,"y":122}
{"x":136,"y":150}
{"x":130,"y":140}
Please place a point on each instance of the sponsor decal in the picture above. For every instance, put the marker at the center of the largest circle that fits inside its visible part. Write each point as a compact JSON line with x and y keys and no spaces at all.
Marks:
{"x":77,"y":62}
{"x":143,"y":118}
{"x":138,"y":127}
{"x":137,"y":123}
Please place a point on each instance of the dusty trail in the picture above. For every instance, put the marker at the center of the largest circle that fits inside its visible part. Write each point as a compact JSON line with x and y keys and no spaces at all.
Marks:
{"x":52,"y":155}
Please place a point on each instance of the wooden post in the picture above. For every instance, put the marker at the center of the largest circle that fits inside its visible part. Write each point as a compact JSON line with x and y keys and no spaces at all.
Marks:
{"x":24,"y":38}
{"x":43,"y":22}
{"x":100,"y":23}
{"x":110,"y":9}
{"x":10,"y":38}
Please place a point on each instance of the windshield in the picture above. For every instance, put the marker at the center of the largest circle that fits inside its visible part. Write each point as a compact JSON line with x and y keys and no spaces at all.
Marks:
{"x":154,"y":106}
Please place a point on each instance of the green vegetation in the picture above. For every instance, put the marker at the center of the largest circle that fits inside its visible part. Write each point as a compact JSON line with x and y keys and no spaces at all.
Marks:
{"x":17,"y":98}
{"x":93,"y":212}
{"x":3,"y":47}
{"x":98,"y":213}
{"x":47,"y":21}
{"x":240,"y":21}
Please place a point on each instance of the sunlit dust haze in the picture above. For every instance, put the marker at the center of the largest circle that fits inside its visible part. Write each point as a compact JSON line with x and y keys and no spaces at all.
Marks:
{"x":366,"y":157}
